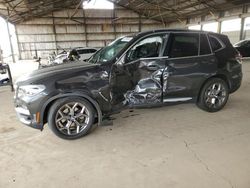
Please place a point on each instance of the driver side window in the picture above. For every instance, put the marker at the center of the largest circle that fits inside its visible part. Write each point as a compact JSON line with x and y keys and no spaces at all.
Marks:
{"x":146,"y":48}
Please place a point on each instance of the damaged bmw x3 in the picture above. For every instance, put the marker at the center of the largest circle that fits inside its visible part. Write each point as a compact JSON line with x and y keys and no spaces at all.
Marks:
{"x":148,"y":69}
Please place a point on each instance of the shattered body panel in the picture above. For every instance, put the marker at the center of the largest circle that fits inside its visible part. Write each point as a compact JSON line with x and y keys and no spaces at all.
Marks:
{"x":147,"y":88}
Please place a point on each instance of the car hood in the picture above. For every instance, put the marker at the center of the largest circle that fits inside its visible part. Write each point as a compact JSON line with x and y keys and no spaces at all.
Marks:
{"x":47,"y":72}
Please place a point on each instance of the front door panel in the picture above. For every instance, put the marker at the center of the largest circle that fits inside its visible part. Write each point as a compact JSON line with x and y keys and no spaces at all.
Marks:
{"x":136,"y":78}
{"x":138,"y":83}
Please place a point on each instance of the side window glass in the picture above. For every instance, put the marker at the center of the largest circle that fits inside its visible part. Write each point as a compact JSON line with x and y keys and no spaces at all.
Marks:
{"x":81,"y":51}
{"x":92,"y":50}
{"x":146,"y":48}
{"x":204,"y":45}
{"x":184,"y":45}
{"x":215,"y":44}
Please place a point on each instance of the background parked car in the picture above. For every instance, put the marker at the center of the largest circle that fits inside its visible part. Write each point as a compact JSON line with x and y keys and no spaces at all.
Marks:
{"x":243,"y":47}
{"x":80,"y":53}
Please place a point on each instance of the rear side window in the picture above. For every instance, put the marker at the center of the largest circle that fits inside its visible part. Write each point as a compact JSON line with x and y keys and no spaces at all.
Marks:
{"x":92,"y":50}
{"x":184,"y":45}
{"x":215,"y":44}
{"x":85,"y":51}
{"x":204,"y":45}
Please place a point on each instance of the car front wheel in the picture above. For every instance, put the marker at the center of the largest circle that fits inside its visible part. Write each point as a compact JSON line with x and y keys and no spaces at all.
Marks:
{"x":214,"y":95}
{"x":71,"y":117}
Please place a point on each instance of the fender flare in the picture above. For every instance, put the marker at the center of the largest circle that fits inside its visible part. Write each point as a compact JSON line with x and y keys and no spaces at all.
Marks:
{"x":75,"y":94}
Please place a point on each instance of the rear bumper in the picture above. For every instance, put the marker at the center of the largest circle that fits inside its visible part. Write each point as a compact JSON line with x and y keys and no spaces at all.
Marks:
{"x":236,"y":80}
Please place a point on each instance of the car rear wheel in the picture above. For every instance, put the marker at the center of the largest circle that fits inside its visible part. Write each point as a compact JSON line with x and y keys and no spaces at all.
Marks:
{"x":214,"y":95}
{"x":71,"y":117}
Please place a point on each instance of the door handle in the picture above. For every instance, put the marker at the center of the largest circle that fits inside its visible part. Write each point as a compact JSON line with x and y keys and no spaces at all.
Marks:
{"x":152,"y":67}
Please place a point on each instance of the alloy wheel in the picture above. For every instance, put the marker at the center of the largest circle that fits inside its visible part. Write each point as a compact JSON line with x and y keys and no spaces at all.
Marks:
{"x":72,"y":118}
{"x":215,"y":95}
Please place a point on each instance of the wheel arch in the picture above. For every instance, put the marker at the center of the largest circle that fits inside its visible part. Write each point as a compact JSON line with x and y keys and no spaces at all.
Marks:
{"x":45,"y":109}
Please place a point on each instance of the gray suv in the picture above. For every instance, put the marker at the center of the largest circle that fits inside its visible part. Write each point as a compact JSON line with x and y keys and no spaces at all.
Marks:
{"x":148,"y":69}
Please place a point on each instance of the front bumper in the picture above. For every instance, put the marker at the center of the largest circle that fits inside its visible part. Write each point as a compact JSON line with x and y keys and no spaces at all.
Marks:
{"x":27,"y":118}
{"x":28,"y":110}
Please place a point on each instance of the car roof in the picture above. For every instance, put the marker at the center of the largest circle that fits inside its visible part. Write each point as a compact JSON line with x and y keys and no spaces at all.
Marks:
{"x":244,"y":40}
{"x":84,"y":48}
{"x":177,"y":30}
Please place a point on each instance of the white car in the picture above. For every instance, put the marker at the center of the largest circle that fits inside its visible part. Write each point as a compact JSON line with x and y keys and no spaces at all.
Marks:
{"x":83,"y":54}
{"x":86,"y":53}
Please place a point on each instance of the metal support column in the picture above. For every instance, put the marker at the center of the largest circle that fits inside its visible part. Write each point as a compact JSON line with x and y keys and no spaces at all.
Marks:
{"x":201,"y":27}
{"x":242,"y":32}
{"x":85,"y":28}
{"x":11,"y":46}
{"x":54,"y":31}
{"x":140,"y":23}
{"x":221,"y":15}
{"x":18,"y":44}
{"x":114,"y":21}
{"x":219,"y":27}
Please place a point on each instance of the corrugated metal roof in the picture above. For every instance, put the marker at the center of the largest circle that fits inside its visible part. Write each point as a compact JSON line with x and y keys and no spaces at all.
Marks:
{"x":166,"y":11}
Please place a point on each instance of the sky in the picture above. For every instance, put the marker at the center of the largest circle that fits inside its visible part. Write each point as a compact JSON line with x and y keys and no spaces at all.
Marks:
{"x":4,"y":38}
{"x":227,"y":25}
{"x":211,"y":27}
{"x":4,"y":42}
{"x":231,"y":25}
{"x":98,"y":4}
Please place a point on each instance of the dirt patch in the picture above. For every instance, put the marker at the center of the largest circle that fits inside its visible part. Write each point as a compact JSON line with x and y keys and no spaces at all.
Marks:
{"x":6,"y":130}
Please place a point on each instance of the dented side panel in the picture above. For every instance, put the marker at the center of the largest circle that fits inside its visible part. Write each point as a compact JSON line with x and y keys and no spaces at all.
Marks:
{"x":138,"y":83}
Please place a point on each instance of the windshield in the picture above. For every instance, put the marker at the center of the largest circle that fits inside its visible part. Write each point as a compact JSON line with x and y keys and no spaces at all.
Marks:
{"x":109,"y":52}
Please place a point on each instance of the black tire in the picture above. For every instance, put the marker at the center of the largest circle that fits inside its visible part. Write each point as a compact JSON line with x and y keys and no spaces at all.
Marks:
{"x":59,"y":119}
{"x":208,"y":100}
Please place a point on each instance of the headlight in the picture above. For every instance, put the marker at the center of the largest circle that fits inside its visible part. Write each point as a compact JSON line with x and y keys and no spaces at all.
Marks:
{"x":30,"y":90}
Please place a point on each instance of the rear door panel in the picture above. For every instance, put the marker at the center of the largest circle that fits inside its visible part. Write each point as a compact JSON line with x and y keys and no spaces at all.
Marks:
{"x":186,"y":70}
{"x":183,"y":77}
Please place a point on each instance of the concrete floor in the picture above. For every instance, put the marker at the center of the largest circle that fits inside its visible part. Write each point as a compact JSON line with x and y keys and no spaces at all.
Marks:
{"x":177,"y":147}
